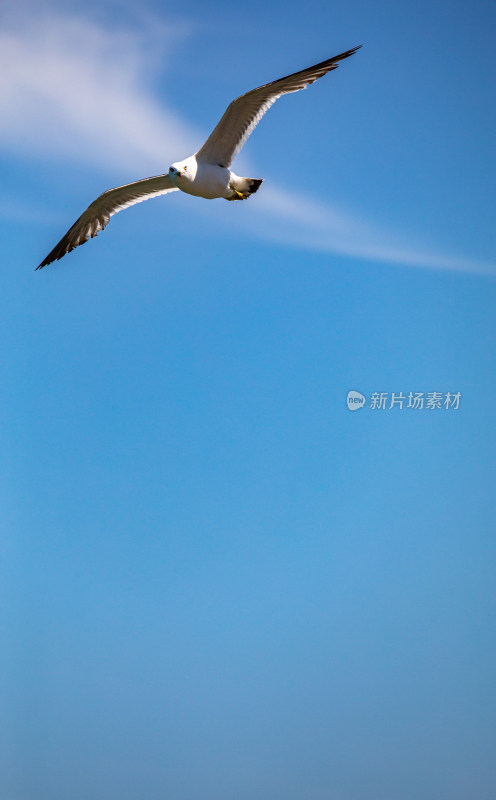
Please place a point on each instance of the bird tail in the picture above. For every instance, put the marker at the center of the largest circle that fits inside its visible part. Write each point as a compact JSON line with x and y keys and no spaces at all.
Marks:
{"x":242,"y":188}
{"x":255,"y":184}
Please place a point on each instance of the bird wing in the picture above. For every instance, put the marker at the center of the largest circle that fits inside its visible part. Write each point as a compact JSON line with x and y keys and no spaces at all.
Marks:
{"x":97,"y":215}
{"x":244,"y":113}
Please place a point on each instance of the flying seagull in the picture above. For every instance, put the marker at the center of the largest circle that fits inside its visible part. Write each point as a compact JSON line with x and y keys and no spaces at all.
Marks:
{"x":204,"y":174}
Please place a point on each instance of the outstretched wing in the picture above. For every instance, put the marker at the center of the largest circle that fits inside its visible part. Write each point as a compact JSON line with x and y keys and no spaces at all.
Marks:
{"x":244,"y":113}
{"x":97,"y":215}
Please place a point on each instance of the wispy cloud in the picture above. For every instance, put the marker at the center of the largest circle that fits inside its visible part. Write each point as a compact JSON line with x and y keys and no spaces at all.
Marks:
{"x":305,"y":222}
{"x":72,"y":87}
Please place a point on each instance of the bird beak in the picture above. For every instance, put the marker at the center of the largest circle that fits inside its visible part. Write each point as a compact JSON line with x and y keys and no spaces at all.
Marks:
{"x":180,"y":174}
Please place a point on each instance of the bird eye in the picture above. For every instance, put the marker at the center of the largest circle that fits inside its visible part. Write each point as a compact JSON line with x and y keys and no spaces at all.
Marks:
{"x":185,"y":169}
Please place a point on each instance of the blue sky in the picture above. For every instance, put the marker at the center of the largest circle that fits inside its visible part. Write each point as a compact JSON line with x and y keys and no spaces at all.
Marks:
{"x":219,"y":581}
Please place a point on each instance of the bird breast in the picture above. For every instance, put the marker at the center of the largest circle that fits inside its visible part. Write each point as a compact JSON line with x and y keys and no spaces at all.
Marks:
{"x":210,"y":181}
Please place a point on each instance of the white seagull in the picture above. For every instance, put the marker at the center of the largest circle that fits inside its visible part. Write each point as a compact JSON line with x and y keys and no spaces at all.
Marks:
{"x":204,"y":174}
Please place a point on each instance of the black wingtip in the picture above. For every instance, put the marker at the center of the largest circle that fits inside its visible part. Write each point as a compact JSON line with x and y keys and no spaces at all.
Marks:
{"x":348,"y":53}
{"x":44,"y":263}
{"x":55,"y":255}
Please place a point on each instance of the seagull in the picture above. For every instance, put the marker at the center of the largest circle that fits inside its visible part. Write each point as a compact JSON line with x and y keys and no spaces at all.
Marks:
{"x":206,"y":173}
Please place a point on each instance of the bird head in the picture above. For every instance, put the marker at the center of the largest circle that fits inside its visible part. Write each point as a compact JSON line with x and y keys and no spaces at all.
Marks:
{"x":182,"y":169}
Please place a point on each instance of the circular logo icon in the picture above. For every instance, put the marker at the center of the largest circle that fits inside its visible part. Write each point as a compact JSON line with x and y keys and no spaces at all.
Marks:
{"x":355,"y":400}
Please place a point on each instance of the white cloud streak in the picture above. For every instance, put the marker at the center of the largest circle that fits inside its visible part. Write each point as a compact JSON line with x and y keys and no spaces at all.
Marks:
{"x":71,"y":88}
{"x":325,"y":228}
